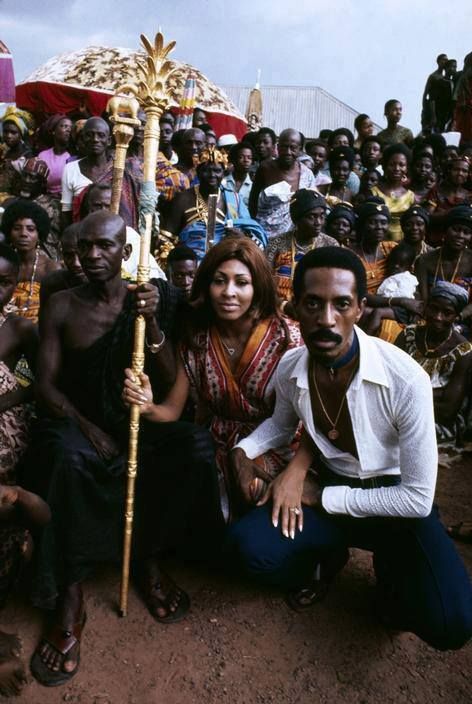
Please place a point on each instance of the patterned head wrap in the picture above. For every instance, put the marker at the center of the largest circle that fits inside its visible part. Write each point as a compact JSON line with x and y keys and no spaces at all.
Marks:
{"x":22,"y":119}
{"x":456,"y":295}
{"x":304,"y":200}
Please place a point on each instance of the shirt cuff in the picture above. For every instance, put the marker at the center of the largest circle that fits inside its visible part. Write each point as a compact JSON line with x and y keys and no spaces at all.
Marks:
{"x":249,"y":447}
{"x":333,"y":499}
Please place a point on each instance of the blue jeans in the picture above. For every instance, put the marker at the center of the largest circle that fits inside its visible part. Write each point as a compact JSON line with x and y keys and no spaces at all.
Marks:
{"x":414,"y":556}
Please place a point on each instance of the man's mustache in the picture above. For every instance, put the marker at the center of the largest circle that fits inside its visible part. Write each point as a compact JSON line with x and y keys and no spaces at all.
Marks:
{"x":325,"y":336}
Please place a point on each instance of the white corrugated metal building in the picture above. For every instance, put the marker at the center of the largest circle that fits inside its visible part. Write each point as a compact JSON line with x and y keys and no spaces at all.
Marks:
{"x":305,"y":108}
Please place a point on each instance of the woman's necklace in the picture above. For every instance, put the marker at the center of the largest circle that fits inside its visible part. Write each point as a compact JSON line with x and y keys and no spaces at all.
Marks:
{"x":304,"y":250}
{"x":440,"y":271}
{"x":230,"y":350}
{"x":431,"y":350}
{"x":333,"y":434}
{"x":371,"y":269}
{"x":31,"y":286}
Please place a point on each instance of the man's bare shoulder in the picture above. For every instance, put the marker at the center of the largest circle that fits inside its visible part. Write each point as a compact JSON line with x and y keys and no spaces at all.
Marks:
{"x":63,"y":302}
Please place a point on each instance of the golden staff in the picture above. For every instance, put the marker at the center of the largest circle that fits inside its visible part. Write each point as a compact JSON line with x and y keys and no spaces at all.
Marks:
{"x":152,"y":94}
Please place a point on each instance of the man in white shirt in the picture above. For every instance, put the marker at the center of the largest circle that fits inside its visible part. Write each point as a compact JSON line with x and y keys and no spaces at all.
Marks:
{"x":367,"y":414}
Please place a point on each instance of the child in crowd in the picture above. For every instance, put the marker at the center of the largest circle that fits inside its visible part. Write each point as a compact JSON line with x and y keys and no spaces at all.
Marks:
{"x":399,"y":283}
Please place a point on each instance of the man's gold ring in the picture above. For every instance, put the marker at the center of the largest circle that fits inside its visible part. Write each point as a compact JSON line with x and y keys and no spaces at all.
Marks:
{"x":142,"y":303}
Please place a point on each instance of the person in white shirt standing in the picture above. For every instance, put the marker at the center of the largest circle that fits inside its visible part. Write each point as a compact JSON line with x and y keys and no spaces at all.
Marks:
{"x":367,"y":414}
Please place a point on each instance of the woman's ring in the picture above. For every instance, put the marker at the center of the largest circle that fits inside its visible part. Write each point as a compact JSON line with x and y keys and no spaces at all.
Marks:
{"x":295,"y":510}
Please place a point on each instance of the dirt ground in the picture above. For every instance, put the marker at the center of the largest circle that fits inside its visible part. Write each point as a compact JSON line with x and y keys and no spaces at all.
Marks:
{"x":241,"y":645}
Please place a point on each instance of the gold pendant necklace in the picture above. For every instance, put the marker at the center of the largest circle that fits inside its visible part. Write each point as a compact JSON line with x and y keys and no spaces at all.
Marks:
{"x":333,"y":434}
{"x":371,"y":270}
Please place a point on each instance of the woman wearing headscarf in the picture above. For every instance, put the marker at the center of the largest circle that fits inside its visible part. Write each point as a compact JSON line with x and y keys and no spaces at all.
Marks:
{"x":15,"y":127}
{"x":414,"y":223}
{"x":391,"y":188}
{"x":373,"y":220}
{"x":445,"y":355}
{"x":59,"y":128}
{"x":307,"y":210}
{"x":341,"y":224}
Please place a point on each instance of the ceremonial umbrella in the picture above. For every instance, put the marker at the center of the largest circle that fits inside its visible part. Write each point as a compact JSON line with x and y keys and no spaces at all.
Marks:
{"x":184,"y":113}
{"x":86,"y":79}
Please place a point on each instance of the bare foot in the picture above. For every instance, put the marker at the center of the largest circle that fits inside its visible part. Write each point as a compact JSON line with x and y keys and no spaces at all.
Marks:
{"x":165,"y":601}
{"x":10,"y":646}
{"x":57,"y":657}
{"x":12,"y":677}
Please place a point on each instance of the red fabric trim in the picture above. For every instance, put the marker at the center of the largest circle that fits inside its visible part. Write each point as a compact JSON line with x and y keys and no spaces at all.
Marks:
{"x":43,"y":99}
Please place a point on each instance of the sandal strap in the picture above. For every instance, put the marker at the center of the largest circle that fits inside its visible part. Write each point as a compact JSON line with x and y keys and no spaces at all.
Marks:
{"x":62,"y":640}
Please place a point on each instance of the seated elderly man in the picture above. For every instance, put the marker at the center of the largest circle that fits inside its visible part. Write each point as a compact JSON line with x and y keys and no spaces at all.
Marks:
{"x":275,"y":182}
{"x":367,"y":414}
{"x":77,"y":459}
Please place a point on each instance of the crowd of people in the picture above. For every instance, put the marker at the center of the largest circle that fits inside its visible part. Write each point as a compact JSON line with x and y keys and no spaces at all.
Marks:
{"x":305,"y":355}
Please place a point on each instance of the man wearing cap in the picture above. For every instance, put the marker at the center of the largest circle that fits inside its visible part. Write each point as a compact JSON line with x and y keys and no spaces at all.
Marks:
{"x":307,"y":211}
{"x":276,"y":181}
{"x":225,"y":142}
{"x":452,"y":261}
{"x":368,"y":432}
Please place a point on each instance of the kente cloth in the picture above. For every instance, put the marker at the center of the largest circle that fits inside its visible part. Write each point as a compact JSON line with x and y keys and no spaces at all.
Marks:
{"x":376,"y":273}
{"x":234,"y":404}
{"x":273,"y":206}
{"x":284,"y":252}
{"x":130,"y":190}
{"x":439,"y":369}
{"x":460,"y":280}
{"x":25,"y":300}
{"x":84,"y":491}
{"x":397,"y":206}
{"x":169,"y":180}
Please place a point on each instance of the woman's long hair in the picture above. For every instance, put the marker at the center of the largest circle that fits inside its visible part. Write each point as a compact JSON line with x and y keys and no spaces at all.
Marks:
{"x":264,"y":302}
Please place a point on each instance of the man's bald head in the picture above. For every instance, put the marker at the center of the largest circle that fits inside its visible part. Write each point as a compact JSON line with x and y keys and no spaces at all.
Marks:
{"x":290,"y":133}
{"x":96,"y":123}
{"x":105,"y":224}
{"x":290,"y":146}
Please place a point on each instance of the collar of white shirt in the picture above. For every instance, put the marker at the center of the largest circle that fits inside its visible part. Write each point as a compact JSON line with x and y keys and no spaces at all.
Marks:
{"x":371,"y":366}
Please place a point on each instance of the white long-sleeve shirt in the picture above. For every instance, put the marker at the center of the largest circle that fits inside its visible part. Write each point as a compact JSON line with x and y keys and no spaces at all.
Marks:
{"x":390,"y":403}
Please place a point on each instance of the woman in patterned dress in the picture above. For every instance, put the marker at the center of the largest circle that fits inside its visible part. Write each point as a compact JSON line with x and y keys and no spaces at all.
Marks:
{"x":232,"y":345}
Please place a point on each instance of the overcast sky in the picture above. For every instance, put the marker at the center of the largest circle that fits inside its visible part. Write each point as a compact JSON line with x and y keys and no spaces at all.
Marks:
{"x":362,"y":51}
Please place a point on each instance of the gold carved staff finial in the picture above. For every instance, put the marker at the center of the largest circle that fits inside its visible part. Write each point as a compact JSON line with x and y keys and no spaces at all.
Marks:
{"x":123,"y":111}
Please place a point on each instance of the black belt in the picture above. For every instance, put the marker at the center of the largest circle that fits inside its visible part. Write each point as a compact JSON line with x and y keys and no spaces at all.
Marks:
{"x":330,"y":478}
